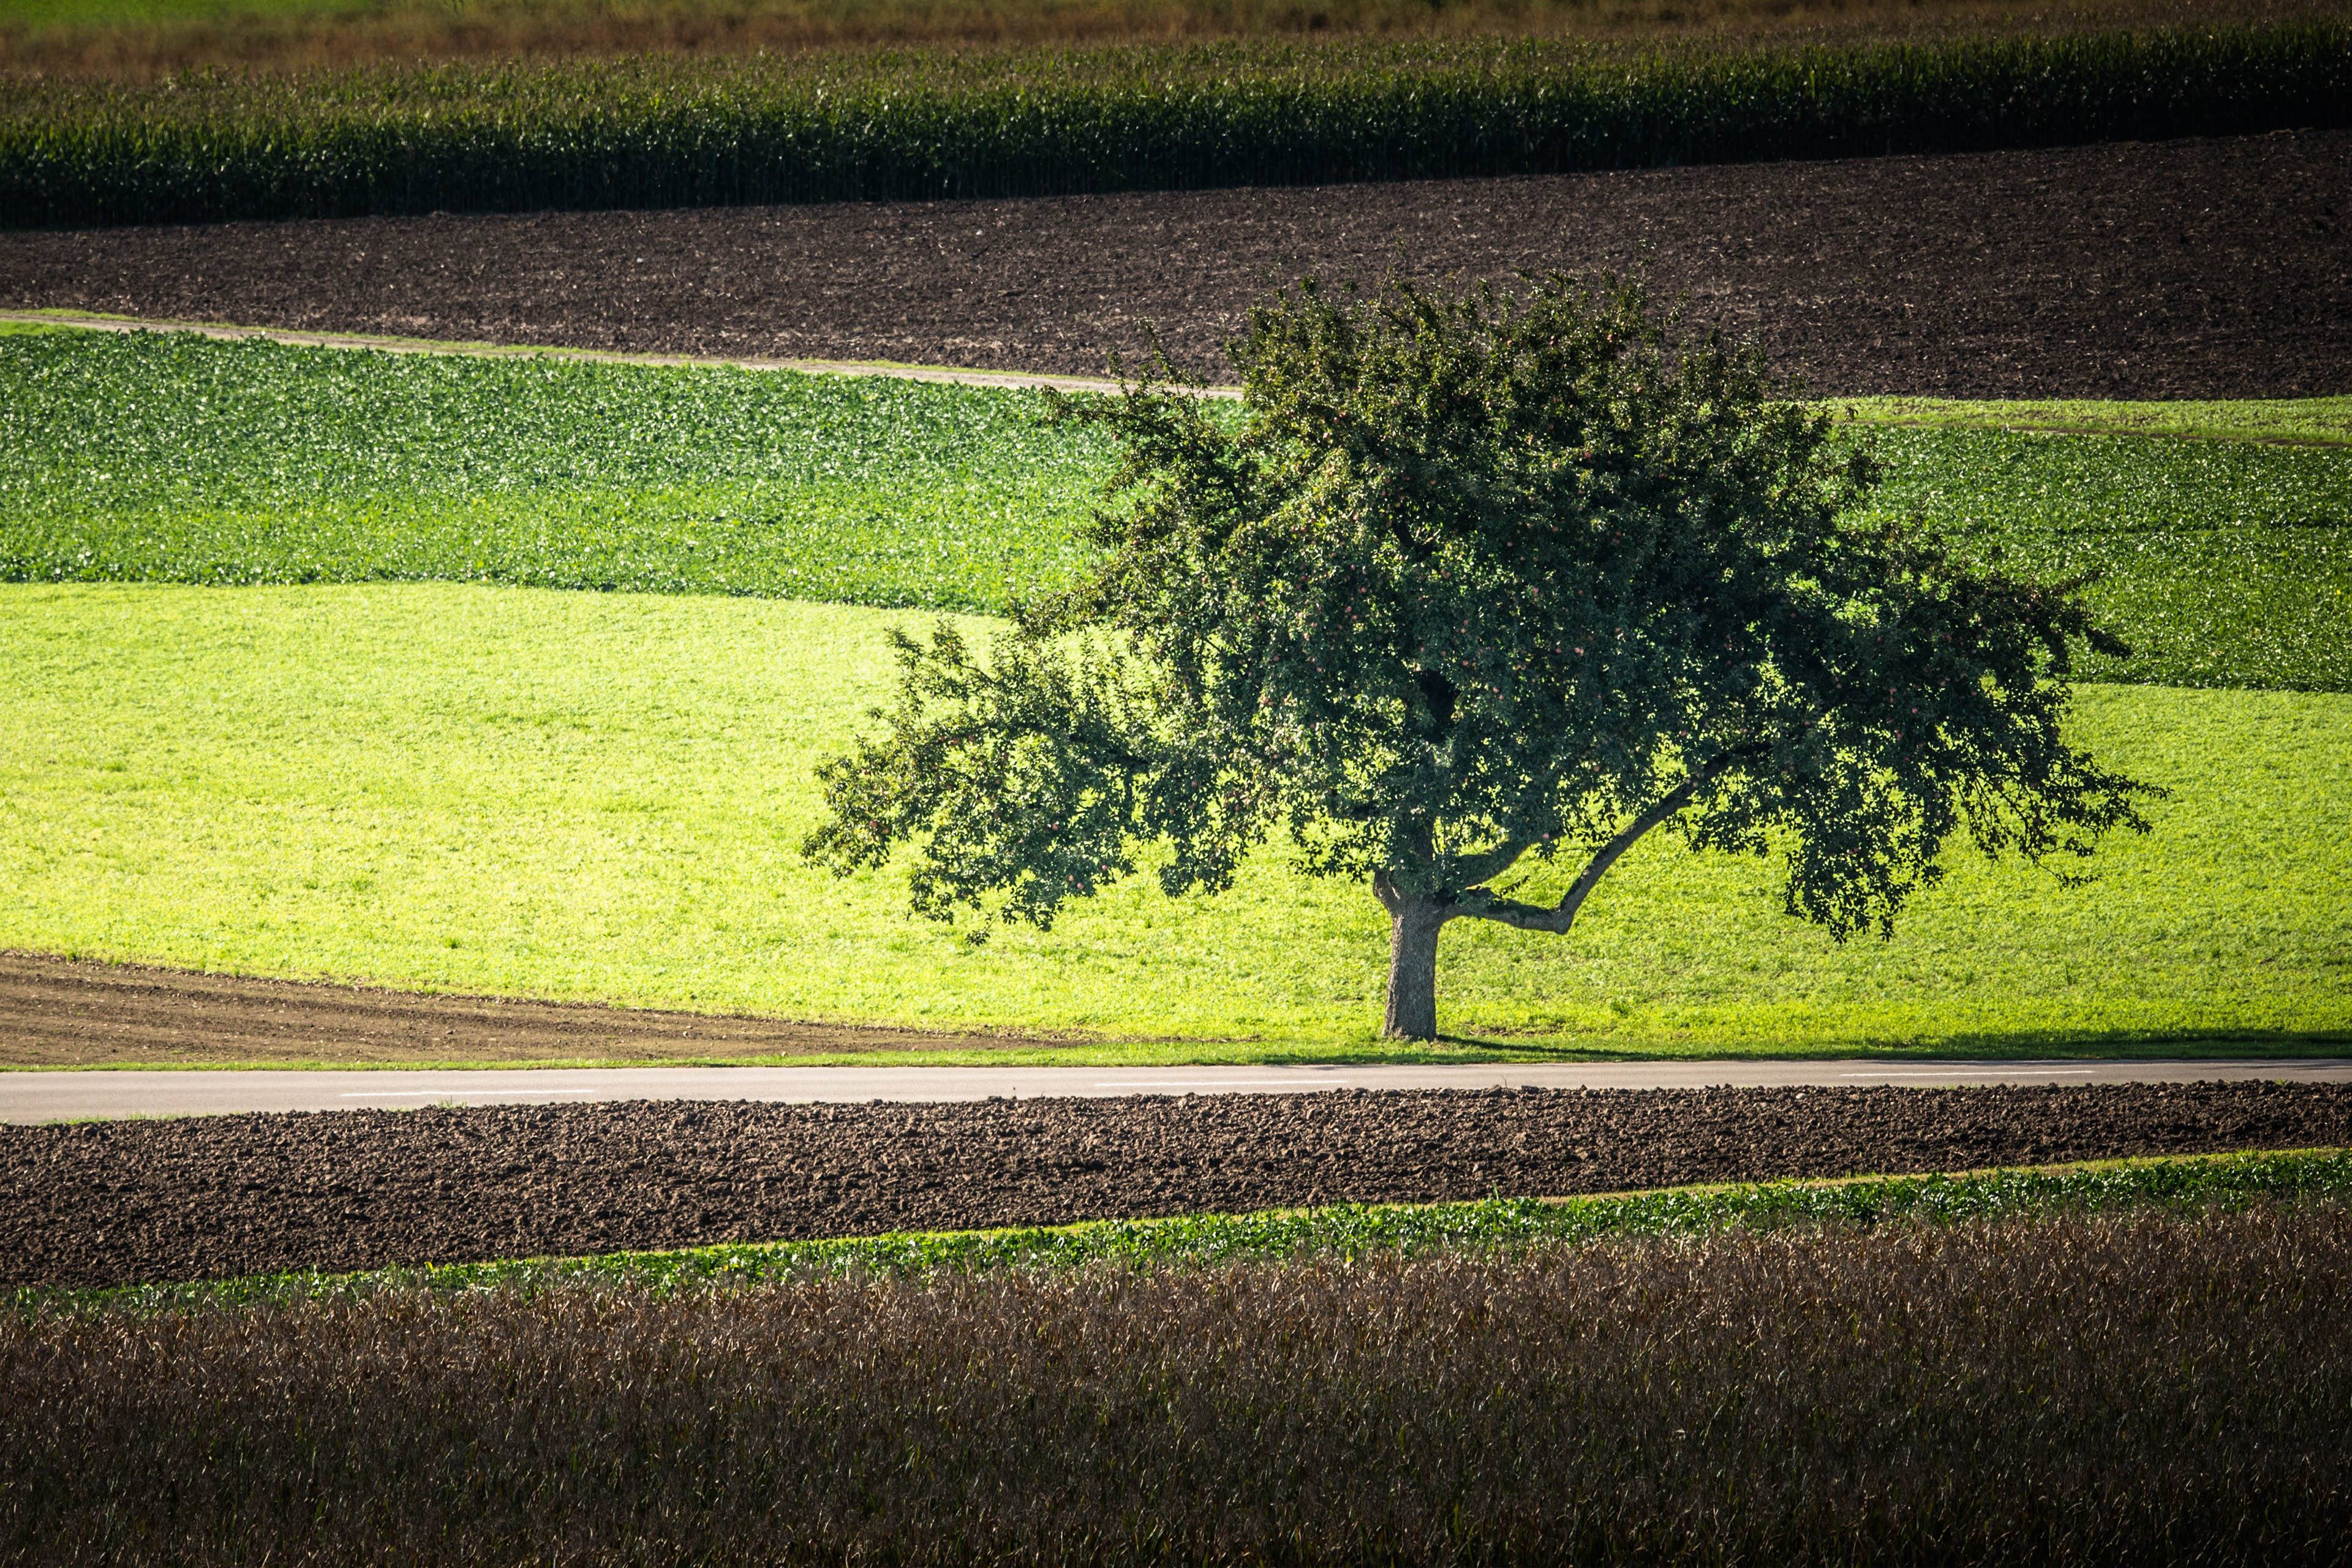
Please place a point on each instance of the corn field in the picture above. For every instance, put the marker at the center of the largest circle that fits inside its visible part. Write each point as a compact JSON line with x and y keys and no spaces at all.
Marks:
{"x":2147,"y":1388}
{"x":679,"y":131}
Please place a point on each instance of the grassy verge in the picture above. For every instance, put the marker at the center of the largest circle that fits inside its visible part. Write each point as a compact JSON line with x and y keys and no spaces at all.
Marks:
{"x":1346,"y":1233}
{"x":175,"y":457}
{"x":681,"y":131}
{"x":514,"y":791}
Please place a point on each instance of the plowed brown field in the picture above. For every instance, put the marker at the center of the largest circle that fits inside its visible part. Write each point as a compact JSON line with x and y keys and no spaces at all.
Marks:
{"x":55,"y":1012}
{"x":108,"y":1203}
{"x":2196,"y":268}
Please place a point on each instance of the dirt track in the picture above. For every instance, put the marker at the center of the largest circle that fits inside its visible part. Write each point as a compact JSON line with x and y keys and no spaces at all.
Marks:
{"x":2202,"y":268}
{"x":100,"y":1203}
{"x":58,"y":1013}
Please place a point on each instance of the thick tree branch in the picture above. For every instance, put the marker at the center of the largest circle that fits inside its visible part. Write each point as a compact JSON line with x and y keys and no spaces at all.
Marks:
{"x":1557,"y":917}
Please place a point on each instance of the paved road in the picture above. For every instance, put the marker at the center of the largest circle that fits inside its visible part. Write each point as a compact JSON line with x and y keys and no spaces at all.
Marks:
{"x":54,"y":1096}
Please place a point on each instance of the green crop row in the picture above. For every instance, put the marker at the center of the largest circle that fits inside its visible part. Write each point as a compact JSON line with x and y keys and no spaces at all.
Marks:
{"x":1344,"y":1231}
{"x":2294,"y":421}
{"x":172,"y":457}
{"x":682,"y":132}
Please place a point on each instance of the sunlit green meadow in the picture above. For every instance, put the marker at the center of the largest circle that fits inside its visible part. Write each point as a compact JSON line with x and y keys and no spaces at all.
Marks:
{"x":492,"y":789}
{"x":426,"y":769}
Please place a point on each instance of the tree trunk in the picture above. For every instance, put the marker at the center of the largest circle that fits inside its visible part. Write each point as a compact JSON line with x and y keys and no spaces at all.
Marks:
{"x":1414,"y":925}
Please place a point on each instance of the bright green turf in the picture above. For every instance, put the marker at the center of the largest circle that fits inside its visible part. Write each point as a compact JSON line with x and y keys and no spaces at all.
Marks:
{"x":455,"y":786}
{"x":1347,"y":1231}
{"x":174,"y":457}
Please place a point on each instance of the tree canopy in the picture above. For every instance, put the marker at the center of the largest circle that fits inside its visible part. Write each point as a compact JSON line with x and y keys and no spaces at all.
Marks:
{"x":1473,"y":581}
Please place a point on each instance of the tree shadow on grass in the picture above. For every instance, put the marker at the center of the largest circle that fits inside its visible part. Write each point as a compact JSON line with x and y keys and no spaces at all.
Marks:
{"x":1990,"y":1044}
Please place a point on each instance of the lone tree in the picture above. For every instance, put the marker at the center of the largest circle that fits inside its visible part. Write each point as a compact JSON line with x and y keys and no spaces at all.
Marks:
{"x":1471,"y":581}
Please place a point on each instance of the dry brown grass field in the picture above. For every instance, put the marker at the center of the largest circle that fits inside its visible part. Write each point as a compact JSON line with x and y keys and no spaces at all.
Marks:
{"x":2154,"y":1389}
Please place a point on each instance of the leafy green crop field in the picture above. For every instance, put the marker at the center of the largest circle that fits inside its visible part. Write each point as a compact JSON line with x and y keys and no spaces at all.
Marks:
{"x":475,"y":788}
{"x":2224,"y":562}
{"x":178,"y":459}
{"x":2306,"y":421}
{"x":170,"y":456}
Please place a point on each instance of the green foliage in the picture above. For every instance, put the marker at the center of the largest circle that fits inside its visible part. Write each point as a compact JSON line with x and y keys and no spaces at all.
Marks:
{"x":502,"y":791}
{"x":170,"y":456}
{"x":1028,"y":778}
{"x":682,"y":132}
{"x":1344,"y":1233}
{"x":1475,"y":580}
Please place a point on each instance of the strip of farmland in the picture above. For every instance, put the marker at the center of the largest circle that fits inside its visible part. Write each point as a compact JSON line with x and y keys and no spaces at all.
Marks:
{"x":680,"y":133}
{"x":2201,"y":268}
{"x":122,"y":1202}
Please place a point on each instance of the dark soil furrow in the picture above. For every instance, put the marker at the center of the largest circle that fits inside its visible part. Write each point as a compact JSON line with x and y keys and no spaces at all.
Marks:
{"x":2196,"y":268}
{"x":111,"y":1203}
{"x":57,"y":1011}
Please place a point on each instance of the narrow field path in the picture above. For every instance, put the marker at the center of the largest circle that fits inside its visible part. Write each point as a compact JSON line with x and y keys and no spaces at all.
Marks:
{"x":2215,"y":268}
{"x":232,"y":331}
{"x":39,"y":1096}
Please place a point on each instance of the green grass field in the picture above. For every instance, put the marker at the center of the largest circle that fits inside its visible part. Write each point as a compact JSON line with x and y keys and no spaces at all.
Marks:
{"x":488,"y":789}
{"x":461,"y":781}
{"x":175,"y":457}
